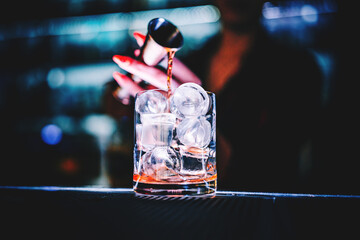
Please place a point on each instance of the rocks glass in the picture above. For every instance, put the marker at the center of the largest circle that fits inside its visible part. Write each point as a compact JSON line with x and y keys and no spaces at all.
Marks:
{"x":175,"y":142}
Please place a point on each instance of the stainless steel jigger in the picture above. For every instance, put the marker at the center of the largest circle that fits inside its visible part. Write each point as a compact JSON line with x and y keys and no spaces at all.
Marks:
{"x":162,"y":37}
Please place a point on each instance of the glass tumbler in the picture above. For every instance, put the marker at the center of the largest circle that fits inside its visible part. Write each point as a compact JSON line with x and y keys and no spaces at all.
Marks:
{"x":174,"y":145}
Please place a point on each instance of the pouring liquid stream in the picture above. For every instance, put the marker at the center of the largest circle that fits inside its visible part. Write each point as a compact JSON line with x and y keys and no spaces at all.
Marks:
{"x":171,"y":55}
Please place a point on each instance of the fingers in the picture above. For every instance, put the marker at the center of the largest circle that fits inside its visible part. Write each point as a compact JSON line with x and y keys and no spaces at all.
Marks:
{"x":149,"y":74}
{"x":127,"y":83}
{"x":181,"y":72}
{"x":140,"y":38}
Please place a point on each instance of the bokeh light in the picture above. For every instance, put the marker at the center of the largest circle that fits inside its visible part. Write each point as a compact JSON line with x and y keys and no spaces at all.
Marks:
{"x":51,"y":134}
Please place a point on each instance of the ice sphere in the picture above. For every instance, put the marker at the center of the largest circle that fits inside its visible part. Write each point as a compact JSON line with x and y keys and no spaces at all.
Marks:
{"x":189,"y":99}
{"x":162,"y":163}
{"x":151,"y":101}
{"x":156,"y":130}
{"x":194,"y":132}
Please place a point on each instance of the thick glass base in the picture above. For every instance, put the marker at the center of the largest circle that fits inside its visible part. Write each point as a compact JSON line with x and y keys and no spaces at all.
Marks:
{"x":193,"y":189}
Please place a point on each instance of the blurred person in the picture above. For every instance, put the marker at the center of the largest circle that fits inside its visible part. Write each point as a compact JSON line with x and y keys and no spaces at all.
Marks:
{"x":268,"y":98}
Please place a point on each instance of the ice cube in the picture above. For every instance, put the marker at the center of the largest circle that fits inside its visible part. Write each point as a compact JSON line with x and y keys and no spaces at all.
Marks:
{"x":151,"y":101}
{"x":162,"y":164}
{"x":193,"y":162}
{"x":156,"y":130}
{"x":194,"y":132}
{"x":189,"y":99}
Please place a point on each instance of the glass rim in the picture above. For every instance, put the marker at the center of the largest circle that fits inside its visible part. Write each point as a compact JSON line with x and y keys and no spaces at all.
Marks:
{"x":165,"y":91}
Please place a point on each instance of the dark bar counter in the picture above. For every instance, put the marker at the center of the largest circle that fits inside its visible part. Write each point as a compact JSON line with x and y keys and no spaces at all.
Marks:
{"x":118,"y":213}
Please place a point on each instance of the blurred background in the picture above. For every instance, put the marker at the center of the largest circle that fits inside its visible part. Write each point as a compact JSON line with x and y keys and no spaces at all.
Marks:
{"x":56,"y":66}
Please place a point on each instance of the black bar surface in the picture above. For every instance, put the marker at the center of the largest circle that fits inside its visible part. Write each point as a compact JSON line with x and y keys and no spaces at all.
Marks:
{"x":116,"y":213}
